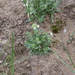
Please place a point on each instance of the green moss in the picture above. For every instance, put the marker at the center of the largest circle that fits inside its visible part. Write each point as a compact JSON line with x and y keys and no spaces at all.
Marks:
{"x":55,"y":29}
{"x":59,"y":22}
{"x":57,"y":26}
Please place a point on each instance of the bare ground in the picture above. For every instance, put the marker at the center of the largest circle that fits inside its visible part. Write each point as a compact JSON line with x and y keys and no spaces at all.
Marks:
{"x":12,"y":19}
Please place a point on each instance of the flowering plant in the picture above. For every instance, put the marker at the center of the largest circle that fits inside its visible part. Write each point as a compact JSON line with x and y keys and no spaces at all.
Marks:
{"x":38,"y":9}
{"x":38,"y":41}
{"x":35,"y":26}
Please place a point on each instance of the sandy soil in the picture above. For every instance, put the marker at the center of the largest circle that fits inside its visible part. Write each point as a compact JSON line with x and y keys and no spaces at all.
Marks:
{"x":12,"y":19}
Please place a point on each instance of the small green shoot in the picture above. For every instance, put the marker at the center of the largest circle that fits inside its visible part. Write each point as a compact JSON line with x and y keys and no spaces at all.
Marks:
{"x":9,"y":60}
{"x":68,"y":55}
{"x":12,"y":56}
{"x":63,"y":62}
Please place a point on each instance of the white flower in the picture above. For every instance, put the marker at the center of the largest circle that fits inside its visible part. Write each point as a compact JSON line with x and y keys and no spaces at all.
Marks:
{"x":24,"y":5}
{"x":34,"y":28}
{"x":38,"y":26}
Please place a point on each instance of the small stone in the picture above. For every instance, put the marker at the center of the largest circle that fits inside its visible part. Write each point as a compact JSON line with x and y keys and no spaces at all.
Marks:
{"x":25,"y":62}
{"x":19,"y":21}
{"x":73,"y":9}
{"x":28,"y":65}
{"x":65,"y":30}
{"x":4,"y":41}
{"x":1,"y":62}
{"x":51,"y":33}
{"x":0,"y":45}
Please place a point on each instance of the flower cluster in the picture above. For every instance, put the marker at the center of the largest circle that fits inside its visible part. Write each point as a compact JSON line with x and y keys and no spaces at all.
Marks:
{"x":38,"y":41}
{"x":35,"y":26}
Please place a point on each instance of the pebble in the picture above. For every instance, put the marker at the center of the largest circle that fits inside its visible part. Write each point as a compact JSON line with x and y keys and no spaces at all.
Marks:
{"x":51,"y":33}
{"x":19,"y":22}
{"x":28,"y":65}
{"x":1,"y":62}
{"x":65,"y":31}
{"x":73,"y":10}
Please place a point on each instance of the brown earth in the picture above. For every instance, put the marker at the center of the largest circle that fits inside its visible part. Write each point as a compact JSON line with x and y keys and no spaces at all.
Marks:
{"x":12,"y":19}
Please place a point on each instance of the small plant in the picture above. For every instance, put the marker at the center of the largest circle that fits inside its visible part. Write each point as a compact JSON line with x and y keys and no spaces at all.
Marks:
{"x":9,"y":60}
{"x":12,"y":56}
{"x":68,"y":55}
{"x":38,"y":9}
{"x":71,"y":38}
{"x":38,"y":41}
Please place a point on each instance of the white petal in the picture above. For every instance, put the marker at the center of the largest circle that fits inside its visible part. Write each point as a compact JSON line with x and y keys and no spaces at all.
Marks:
{"x":24,"y":5}
{"x":38,"y":26}
{"x":51,"y":33}
{"x":34,"y":28}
